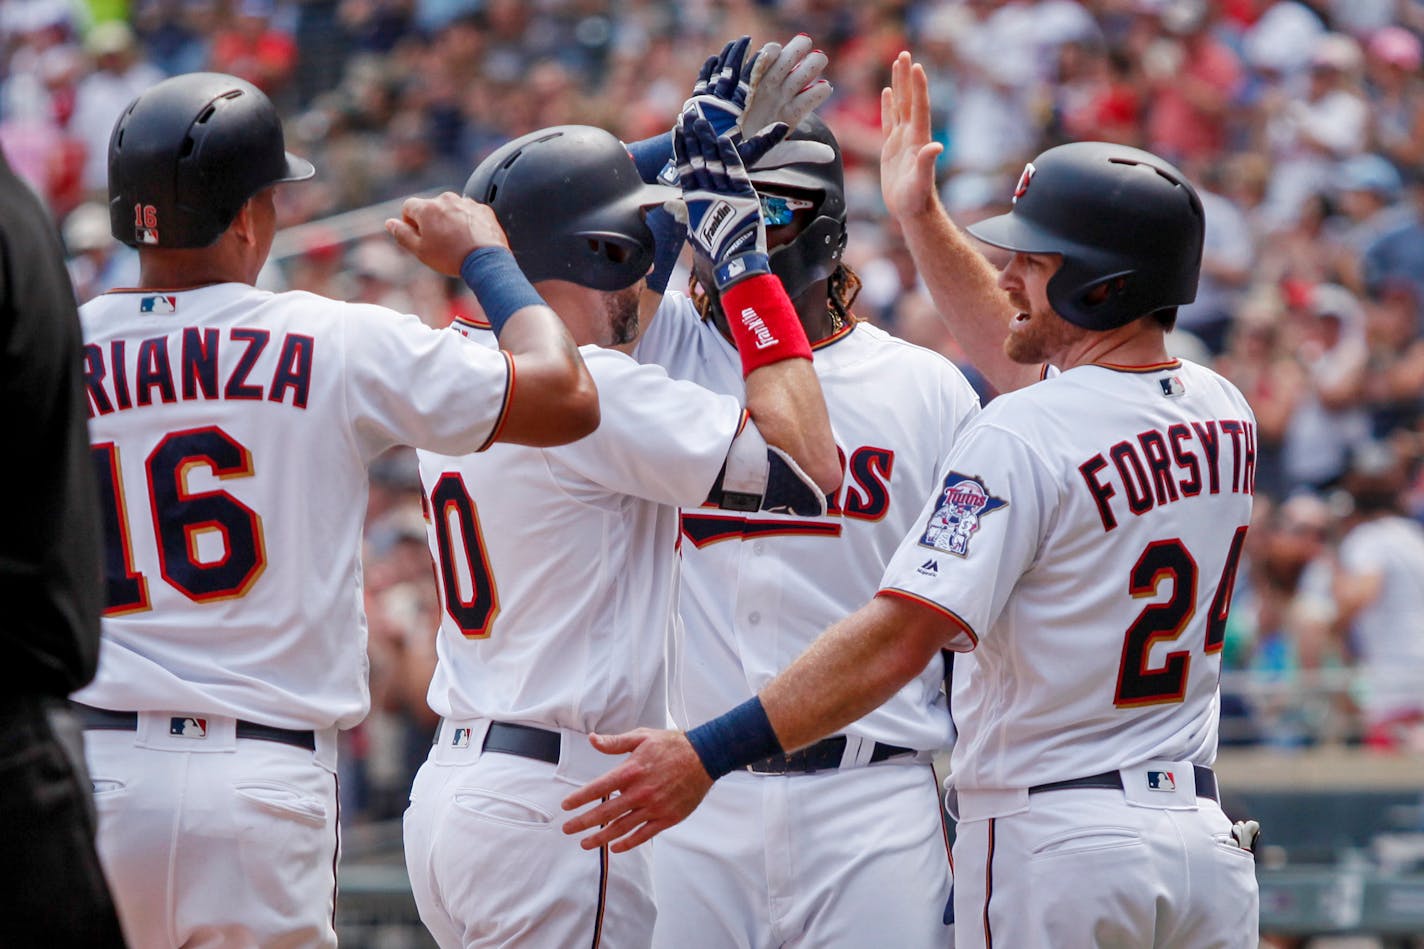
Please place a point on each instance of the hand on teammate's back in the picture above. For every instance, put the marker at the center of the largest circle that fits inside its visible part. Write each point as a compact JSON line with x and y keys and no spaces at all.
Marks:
{"x":441,"y":231}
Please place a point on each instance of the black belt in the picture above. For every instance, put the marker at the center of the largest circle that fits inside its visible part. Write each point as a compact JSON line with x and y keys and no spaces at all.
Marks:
{"x":1206,"y":783}
{"x":824,"y":755}
{"x":103,"y":719}
{"x":526,"y":741}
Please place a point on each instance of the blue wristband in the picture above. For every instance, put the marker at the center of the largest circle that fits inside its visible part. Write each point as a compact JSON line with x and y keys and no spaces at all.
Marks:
{"x":735,"y":739}
{"x":497,"y":282}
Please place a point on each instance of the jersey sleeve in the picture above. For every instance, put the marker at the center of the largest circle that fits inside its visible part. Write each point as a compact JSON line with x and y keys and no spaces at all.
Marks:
{"x":408,"y":384}
{"x":660,"y":438}
{"x":977,"y":535}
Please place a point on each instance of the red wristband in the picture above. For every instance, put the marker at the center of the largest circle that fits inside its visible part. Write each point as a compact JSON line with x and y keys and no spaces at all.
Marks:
{"x":764,"y":324}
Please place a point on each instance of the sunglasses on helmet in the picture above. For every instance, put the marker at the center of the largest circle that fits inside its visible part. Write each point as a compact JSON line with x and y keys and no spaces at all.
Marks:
{"x":777,"y":210}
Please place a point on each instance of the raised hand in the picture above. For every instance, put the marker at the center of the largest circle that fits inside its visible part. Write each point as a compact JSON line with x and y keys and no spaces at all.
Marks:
{"x":907,"y":158}
{"x":724,"y":221}
{"x":441,"y":231}
{"x":784,"y":84}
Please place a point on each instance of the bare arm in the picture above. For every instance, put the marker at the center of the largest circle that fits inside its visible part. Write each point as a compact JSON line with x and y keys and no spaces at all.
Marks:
{"x":785,"y":400}
{"x":853,"y":668}
{"x":552,"y":398}
{"x":960,"y":279}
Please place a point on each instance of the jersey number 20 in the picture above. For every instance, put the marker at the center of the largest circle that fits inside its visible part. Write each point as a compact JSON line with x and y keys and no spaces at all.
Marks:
{"x":181,"y":519}
{"x":1163,"y":560}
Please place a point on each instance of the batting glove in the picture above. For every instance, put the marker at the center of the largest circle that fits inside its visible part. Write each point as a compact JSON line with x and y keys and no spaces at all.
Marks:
{"x":784,"y":84}
{"x":724,"y":221}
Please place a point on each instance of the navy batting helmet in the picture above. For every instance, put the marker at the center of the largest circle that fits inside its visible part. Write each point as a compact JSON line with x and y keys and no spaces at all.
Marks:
{"x":807,"y":162}
{"x":571,"y":203}
{"x":187,"y":154}
{"x":1124,"y":220}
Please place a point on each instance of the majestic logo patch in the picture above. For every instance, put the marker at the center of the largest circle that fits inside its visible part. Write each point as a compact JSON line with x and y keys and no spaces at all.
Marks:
{"x":188,"y":727}
{"x":1172,"y":387}
{"x":963,"y":501}
{"x":158,"y":305}
{"x":929,"y":568}
{"x":1022,"y":187}
{"x":1161,"y":781}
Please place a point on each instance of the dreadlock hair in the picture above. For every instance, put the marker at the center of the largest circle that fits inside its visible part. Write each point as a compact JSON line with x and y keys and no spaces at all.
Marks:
{"x":842,"y":287}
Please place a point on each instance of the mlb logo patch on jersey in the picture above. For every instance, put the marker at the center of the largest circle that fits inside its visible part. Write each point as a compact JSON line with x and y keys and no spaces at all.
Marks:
{"x":1161,"y":781}
{"x":188,"y":727}
{"x":460,"y":739}
{"x":1172,"y":387}
{"x":963,"y":502}
{"x":163,"y":304}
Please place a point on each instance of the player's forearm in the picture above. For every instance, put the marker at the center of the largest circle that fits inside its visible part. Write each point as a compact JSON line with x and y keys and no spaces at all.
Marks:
{"x":852,"y":669}
{"x":965,"y":290}
{"x":784,"y":399}
{"x":553,"y":398}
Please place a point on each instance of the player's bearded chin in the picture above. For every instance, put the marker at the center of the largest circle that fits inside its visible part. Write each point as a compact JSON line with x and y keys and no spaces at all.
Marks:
{"x":1037,"y":336}
{"x":621,"y":307}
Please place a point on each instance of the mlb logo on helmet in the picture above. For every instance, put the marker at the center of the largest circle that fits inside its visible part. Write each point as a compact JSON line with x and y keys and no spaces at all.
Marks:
{"x":1161,"y":781}
{"x":188,"y":727}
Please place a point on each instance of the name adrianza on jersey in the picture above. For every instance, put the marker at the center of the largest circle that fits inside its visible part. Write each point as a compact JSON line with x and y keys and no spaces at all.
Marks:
{"x":185,"y":366}
{"x":1162,"y":467}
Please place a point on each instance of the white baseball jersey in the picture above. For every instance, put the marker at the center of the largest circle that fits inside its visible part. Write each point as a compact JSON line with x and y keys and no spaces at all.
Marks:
{"x":844,"y":858}
{"x":1086,"y":532}
{"x":557,"y":572}
{"x":231,"y":429}
{"x":558,"y":566}
{"x":1386,"y":633}
{"x":759,"y":588}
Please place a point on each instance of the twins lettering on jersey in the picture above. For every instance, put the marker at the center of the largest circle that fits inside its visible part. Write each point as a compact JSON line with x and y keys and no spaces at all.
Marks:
{"x":114,"y":379}
{"x":1158,"y":468}
{"x":864,"y":496}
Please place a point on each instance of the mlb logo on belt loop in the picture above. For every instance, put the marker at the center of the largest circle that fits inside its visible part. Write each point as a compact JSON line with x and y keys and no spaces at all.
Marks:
{"x":188,"y":727}
{"x":1161,"y":781}
{"x":461,"y":738}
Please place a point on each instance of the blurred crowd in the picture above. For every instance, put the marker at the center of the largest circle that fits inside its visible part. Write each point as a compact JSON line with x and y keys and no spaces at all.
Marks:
{"x":1302,"y":121}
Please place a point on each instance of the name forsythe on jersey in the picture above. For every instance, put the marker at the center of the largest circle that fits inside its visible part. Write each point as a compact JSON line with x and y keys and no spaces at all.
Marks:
{"x":184,"y":365}
{"x":1161,"y":467}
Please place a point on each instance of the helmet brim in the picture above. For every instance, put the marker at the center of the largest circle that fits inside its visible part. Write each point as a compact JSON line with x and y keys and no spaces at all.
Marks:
{"x":1016,"y":234}
{"x":298,"y":169}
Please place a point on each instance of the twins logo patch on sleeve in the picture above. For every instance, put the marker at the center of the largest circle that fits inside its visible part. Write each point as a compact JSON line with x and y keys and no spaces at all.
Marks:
{"x":963,"y":501}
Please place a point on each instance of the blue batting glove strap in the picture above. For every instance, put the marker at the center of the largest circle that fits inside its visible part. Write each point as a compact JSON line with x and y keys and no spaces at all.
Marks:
{"x":495,"y":279}
{"x":740,"y":268}
{"x":735,"y":739}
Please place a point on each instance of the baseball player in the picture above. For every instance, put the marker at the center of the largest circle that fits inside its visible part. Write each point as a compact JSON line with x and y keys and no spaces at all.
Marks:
{"x":557,"y":567}
{"x":231,"y":430}
{"x":1089,"y":604}
{"x":841,"y":844}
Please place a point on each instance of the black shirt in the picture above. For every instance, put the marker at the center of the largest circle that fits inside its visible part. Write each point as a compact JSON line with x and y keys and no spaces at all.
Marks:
{"x":50,"y":575}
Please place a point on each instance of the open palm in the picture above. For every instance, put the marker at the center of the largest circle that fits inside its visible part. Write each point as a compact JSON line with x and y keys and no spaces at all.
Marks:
{"x":907,"y":158}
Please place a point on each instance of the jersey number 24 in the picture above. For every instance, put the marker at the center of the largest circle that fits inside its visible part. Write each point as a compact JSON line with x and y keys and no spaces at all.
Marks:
{"x":1170,"y":560}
